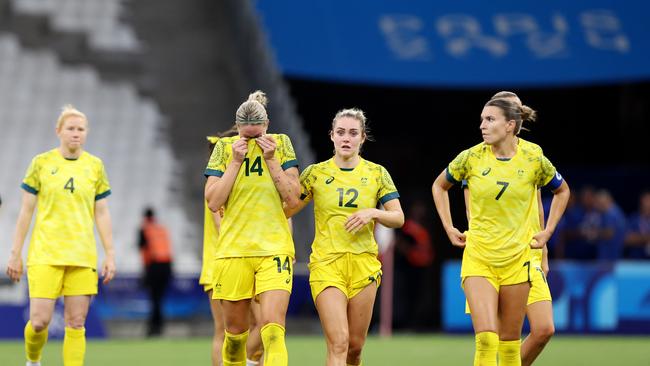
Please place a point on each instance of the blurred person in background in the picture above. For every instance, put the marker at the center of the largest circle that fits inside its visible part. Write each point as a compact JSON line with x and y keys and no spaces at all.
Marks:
{"x":253,"y":175}
{"x":156,"y":252}
{"x":413,"y":271}
{"x":70,"y":188}
{"x":503,"y":176}
{"x":344,"y":271}
{"x":610,"y":233}
{"x":637,"y":239}
{"x":557,"y":244}
{"x":581,"y":230}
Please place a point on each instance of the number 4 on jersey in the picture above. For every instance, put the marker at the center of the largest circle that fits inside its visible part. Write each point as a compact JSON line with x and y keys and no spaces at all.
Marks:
{"x":69,"y":185}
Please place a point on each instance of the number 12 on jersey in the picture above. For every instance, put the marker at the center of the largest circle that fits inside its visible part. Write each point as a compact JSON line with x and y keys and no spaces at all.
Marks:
{"x":350,"y":192}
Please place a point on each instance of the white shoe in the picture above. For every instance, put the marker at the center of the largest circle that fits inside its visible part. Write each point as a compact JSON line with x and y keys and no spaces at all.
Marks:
{"x":30,"y":363}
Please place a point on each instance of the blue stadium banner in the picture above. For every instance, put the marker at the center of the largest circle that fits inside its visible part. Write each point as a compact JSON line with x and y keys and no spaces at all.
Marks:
{"x":587,"y":297}
{"x":470,"y":43}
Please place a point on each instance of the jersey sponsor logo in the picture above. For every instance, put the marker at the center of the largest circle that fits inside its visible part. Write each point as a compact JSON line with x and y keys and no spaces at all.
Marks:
{"x":329,"y":180}
{"x":486,"y":171}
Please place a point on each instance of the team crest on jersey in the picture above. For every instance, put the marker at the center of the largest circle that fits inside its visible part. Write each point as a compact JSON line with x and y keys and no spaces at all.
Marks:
{"x":520,"y":172}
{"x":364,"y":181}
{"x":486,"y":171}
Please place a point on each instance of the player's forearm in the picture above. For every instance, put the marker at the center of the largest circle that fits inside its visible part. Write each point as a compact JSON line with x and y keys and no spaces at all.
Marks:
{"x":441,"y":200}
{"x":540,"y":208}
{"x":390,"y":218}
{"x":22,"y":224}
{"x":560,"y":199}
{"x":291,"y":211}
{"x":287,"y":186}
{"x":218,"y":190}
{"x":105,"y":229}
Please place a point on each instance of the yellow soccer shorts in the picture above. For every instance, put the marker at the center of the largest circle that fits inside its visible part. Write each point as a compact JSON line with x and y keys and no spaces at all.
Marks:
{"x":246,"y":277}
{"x":50,"y":282}
{"x":350,"y":273}
{"x":539,"y":290}
{"x":517,"y":271}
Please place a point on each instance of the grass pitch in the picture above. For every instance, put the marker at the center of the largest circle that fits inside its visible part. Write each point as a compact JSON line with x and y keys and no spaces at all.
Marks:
{"x":310,"y":350}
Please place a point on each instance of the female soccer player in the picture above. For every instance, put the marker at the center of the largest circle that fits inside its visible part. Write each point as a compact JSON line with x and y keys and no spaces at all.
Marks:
{"x":211,"y":223}
{"x":344,"y":269}
{"x":70,"y":188}
{"x":252,"y":176}
{"x":503,"y":174}
{"x":539,"y":310}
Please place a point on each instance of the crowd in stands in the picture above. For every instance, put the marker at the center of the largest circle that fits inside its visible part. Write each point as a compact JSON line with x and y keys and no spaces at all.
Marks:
{"x":594,"y":227}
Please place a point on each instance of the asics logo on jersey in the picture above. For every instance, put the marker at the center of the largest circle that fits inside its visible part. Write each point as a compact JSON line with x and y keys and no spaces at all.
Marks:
{"x":486,"y":171}
{"x":55,"y":170}
{"x":329,"y":180}
{"x":288,"y":280}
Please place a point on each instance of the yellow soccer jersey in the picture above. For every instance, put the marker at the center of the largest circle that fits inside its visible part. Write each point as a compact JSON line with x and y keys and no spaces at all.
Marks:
{"x":337,"y":194}
{"x":503,"y":198}
{"x":210,"y":236}
{"x":254,"y":223}
{"x":67,"y":190}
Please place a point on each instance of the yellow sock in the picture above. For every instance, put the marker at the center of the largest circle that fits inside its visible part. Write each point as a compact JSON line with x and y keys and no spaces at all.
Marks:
{"x":275,"y":350}
{"x":233,"y":352}
{"x":487,"y":346}
{"x":34,"y":342}
{"x":74,"y":346}
{"x":510,"y":353}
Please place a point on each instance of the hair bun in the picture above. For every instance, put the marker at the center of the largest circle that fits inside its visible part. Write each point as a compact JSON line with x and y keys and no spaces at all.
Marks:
{"x":258,"y":96}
